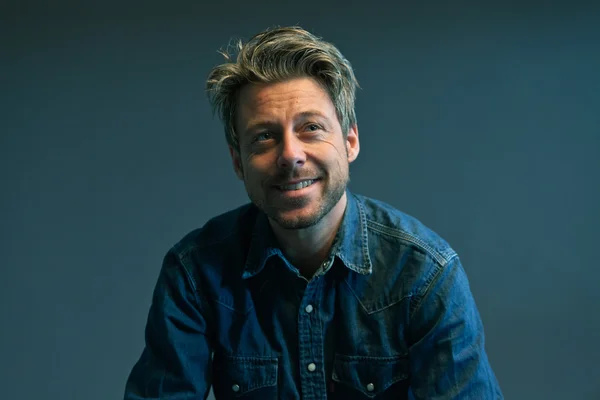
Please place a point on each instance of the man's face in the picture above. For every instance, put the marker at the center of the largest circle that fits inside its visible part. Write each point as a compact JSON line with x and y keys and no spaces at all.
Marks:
{"x":293,"y":158}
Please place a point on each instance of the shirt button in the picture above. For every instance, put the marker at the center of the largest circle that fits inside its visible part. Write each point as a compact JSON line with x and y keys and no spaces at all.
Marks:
{"x":370,"y":387}
{"x":235,"y":387}
{"x":312,"y":367}
{"x":308,"y":309}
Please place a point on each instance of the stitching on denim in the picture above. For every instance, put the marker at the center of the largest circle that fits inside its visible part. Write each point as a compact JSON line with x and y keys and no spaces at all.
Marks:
{"x":438,"y":256}
{"x":386,"y":385}
{"x":199,"y":296}
{"x":431,"y":278}
{"x":400,"y":377}
{"x":346,"y":358}
{"x":424,"y":288}
{"x":356,"y":268}
{"x":364,"y":233}
{"x":359,"y":302}
{"x":270,"y":383}
{"x":319,"y":303}
{"x":233,"y":309}
{"x":183,"y":259}
{"x":367,"y":266}
{"x":270,"y":252}
{"x":361,"y":359}
{"x":201,"y":299}
{"x":231,"y":357}
{"x":409,"y":295}
{"x":260,"y":361}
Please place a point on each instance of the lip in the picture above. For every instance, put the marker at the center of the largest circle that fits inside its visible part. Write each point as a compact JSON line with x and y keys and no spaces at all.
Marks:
{"x":298,"y":193}
{"x":293,"y":182}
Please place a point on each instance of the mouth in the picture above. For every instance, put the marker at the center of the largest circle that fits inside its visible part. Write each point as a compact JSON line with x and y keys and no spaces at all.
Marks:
{"x":297,"y":185}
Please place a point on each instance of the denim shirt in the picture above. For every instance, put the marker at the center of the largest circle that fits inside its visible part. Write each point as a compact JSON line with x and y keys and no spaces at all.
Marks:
{"x":388,"y":316}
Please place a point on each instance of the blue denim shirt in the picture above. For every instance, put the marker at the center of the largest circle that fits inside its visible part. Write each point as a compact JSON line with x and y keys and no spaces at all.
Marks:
{"x":388,"y":316}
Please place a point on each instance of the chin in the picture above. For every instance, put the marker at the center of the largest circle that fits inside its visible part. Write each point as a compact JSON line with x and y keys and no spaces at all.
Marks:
{"x":296,"y":221}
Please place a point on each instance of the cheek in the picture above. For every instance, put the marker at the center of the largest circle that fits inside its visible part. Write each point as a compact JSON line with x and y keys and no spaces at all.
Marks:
{"x":339,"y":147}
{"x":337,"y":154}
{"x":339,"y":162}
{"x":254,"y":171}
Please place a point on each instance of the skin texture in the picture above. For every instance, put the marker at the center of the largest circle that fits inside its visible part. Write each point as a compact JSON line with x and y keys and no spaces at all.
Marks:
{"x":289,"y":132}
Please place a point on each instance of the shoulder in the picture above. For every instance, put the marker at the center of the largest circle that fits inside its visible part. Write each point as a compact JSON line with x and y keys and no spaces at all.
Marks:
{"x":405,"y":255}
{"x":216,"y":250}
{"x":223,"y":229}
{"x":387,"y":223}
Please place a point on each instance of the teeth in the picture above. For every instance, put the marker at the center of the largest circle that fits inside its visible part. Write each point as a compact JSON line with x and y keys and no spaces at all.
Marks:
{"x":297,"y":186}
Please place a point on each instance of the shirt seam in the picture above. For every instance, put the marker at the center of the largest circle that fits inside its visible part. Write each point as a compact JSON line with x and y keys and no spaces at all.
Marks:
{"x":440,"y":257}
{"x":201,"y":300}
{"x":432,"y":277}
{"x":376,"y":310}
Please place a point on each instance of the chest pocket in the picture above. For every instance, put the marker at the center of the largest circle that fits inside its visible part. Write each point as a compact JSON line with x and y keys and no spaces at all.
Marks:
{"x":245,"y":377}
{"x":360,"y":377}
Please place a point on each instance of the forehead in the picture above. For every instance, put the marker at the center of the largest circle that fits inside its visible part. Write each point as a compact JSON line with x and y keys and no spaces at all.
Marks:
{"x":282,"y":100}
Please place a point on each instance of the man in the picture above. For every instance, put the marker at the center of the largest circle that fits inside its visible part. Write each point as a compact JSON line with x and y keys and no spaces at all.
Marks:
{"x":309,"y":291}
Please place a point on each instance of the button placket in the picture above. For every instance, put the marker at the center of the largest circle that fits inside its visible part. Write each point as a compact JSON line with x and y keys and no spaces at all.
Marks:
{"x":310,"y":334}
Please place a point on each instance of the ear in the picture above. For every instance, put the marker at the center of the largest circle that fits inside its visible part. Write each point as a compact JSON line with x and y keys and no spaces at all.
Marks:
{"x":352,"y":143}
{"x":237,"y":162}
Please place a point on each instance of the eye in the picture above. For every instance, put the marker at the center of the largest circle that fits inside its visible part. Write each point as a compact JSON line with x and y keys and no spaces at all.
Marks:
{"x":261,"y":137}
{"x":312,"y":127}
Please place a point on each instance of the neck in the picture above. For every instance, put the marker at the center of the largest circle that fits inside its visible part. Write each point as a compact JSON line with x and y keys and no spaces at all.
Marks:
{"x":307,"y":248}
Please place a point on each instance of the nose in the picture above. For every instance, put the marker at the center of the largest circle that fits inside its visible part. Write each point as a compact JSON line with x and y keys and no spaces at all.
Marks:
{"x":291,"y":152}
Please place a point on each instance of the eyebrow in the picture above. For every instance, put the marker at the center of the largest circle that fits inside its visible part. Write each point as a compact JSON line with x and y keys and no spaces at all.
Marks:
{"x":303,"y":115}
{"x":310,"y":113}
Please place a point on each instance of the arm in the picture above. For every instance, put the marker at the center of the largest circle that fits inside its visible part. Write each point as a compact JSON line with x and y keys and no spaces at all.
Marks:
{"x":447,"y":354}
{"x":175,"y":362}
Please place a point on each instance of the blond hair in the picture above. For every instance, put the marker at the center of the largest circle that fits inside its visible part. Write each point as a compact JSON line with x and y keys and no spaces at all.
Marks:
{"x":275,"y":55}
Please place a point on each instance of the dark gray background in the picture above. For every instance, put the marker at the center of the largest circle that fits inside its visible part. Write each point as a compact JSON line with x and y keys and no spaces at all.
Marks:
{"x":480,"y":120}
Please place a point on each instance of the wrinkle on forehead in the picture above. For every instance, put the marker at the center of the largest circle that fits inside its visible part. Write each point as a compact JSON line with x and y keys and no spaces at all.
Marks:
{"x":282,"y":101}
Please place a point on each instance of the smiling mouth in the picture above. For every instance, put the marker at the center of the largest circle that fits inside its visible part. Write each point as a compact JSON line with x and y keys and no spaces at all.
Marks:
{"x":296,"y":186}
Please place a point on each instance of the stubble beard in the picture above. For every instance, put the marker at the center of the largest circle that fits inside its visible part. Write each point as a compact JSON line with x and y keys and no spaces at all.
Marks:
{"x":330,"y":198}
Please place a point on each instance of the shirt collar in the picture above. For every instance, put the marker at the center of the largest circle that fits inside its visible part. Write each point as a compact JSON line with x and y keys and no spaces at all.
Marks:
{"x":351,"y":244}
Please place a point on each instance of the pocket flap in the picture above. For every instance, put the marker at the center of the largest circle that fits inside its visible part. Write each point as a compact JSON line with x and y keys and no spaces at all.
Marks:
{"x":369,"y":375}
{"x":240,"y":375}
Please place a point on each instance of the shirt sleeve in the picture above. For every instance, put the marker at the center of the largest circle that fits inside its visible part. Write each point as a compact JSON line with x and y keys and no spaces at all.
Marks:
{"x":176,"y":360}
{"x":447,"y":353}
